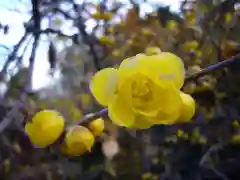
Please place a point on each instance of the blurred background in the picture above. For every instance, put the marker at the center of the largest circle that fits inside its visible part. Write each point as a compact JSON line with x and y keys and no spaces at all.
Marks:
{"x":49,"y":51}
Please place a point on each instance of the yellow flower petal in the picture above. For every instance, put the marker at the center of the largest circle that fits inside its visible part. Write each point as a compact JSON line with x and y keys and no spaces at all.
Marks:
{"x":34,"y":137}
{"x":51,"y":132}
{"x":120,"y":110}
{"x":103,"y":85}
{"x":173,"y":101}
{"x":164,"y":118}
{"x":28,"y":129}
{"x":131,"y":62}
{"x":167,"y":65}
{"x":141,"y":122}
{"x":149,"y":101}
{"x":163,"y":67}
{"x":44,"y":117}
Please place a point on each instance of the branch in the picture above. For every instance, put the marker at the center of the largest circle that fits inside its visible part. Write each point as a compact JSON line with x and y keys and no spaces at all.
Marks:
{"x":49,"y":31}
{"x":86,"y":37}
{"x":212,"y":68}
{"x":37,"y":25}
{"x":205,"y":159}
{"x":4,"y":47}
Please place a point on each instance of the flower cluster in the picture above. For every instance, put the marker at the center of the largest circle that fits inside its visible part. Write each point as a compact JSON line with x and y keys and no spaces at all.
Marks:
{"x":144,"y":91}
{"x":47,"y":126}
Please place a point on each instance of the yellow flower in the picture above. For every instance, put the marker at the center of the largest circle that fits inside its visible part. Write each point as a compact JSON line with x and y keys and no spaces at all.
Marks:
{"x":143,"y":91}
{"x":188,"y":108}
{"x":78,"y":140}
{"x":45,"y":128}
{"x":152,"y":50}
{"x":96,"y":126}
{"x":103,"y":85}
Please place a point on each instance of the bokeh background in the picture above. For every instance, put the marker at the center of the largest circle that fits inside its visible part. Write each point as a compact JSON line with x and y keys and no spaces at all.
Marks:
{"x":49,"y":51}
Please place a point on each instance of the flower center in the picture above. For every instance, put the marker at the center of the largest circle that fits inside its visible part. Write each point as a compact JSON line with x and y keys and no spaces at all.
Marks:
{"x":141,"y":92}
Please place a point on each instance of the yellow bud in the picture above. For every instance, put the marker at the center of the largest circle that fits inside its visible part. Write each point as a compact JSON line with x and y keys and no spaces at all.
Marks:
{"x":16,"y":147}
{"x":195,"y":133}
{"x":97,"y":15}
{"x":235,"y":139}
{"x":190,"y":45}
{"x":235,"y":123}
{"x":152,"y":50}
{"x":78,"y":140}
{"x":228,"y":17}
{"x":198,"y":54}
{"x":188,"y":108}
{"x":96,"y":126}
{"x":180,"y":133}
{"x":45,"y":128}
{"x":106,"y":40}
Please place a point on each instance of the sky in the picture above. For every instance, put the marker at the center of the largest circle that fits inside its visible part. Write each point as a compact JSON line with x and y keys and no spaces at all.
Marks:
{"x":15,"y":20}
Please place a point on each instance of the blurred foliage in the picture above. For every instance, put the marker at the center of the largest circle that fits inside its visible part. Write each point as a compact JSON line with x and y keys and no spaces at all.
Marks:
{"x":203,"y":33}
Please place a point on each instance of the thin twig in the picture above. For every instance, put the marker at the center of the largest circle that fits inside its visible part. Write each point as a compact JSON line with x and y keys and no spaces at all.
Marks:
{"x":212,"y":68}
{"x":13,"y":55}
{"x":211,"y":150}
{"x":86,"y":38}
